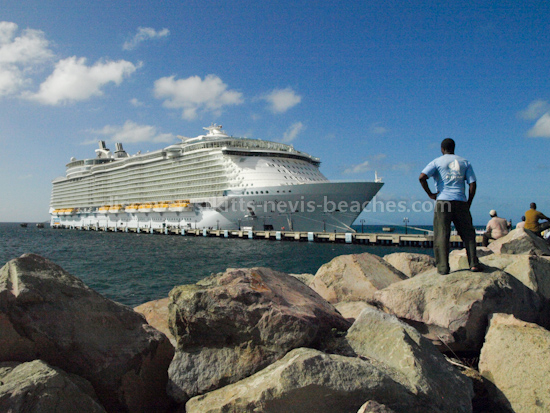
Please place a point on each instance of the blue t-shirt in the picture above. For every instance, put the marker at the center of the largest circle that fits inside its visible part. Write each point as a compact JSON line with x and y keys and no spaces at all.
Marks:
{"x":450,"y":172}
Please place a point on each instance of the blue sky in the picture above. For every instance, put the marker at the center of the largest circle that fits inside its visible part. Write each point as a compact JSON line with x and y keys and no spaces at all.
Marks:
{"x":363,"y":85}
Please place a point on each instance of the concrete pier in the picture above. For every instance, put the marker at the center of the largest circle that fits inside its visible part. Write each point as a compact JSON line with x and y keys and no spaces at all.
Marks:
{"x":412,"y":240}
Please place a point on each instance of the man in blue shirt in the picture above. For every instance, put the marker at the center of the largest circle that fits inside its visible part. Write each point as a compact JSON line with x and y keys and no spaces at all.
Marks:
{"x":451,"y":173}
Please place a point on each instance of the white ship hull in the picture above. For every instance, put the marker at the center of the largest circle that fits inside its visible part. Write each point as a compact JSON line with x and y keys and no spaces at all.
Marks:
{"x":312,"y":207}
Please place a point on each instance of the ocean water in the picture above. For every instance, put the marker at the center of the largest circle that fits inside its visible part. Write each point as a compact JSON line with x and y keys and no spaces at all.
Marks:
{"x":136,"y":268}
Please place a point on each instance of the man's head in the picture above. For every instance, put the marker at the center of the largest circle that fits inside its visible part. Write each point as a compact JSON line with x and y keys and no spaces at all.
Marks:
{"x":533,"y":205}
{"x":493,"y":213}
{"x":523,"y":217}
{"x":448,"y":146}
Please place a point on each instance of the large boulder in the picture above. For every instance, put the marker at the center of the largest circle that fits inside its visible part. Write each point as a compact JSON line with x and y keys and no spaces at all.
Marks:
{"x":516,"y":359}
{"x":354,"y":277}
{"x":531,"y":270}
{"x":458,"y":259}
{"x":36,"y":387}
{"x":351,"y":309}
{"x":156,"y":314}
{"x":48,"y":314}
{"x":410,"y":263}
{"x":452,"y":310}
{"x":307,"y":380}
{"x":230,"y":325}
{"x":414,"y":360}
{"x":520,"y":241}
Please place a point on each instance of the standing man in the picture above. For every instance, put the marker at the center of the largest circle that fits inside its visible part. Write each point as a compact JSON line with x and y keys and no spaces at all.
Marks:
{"x":496,"y":228}
{"x":532,"y":218}
{"x":450,"y":173}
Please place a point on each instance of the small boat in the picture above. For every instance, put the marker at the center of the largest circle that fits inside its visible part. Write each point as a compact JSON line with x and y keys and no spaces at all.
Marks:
{"x":23,"y":224}
{"x":115,"y":209}
{"x":160,"y":206}
{"x":40,"y":225}
{"x":388,"y":229}
{"x":145,"y":208}
{"x":104,"y":209}
{"x":132,"y":208}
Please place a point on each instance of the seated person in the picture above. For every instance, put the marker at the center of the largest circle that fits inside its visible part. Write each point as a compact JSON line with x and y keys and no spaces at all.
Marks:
{"x":522,"y":223}
{"x":532,"y":218}
{"x":496,"y":228}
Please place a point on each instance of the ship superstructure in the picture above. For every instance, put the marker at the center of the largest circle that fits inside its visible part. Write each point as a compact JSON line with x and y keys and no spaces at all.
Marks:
{"x":211,"y":181}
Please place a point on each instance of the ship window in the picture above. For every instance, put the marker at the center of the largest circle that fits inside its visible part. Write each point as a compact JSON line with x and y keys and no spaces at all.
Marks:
{"x":267,"y":192}
{"x":261,"y":192}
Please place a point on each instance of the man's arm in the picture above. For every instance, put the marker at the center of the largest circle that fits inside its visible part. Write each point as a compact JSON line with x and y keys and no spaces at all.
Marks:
{"x":424,"y":182}
{"x":471,"y":193}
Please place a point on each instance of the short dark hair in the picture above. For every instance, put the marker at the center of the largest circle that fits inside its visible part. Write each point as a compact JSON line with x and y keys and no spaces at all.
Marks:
{"x":533,"y":205}
{"x":448,"y":145}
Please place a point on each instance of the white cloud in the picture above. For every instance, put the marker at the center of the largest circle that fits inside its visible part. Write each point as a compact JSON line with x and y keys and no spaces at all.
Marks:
{"x":131,"y":132}
{"x":541,"y":128}
{"x":356,"y":169}
{"x":293,"y":132}
{"x":143,"y":34}
{"x":135,"y":102}
{"x":535,"y":110}
{"x":281,"y":100}
{"x":19,"y":56}
{"x":379,"y":130}
{"x":378,"y":162}
{"x":72,"y":80}
{"x":194,"y":94}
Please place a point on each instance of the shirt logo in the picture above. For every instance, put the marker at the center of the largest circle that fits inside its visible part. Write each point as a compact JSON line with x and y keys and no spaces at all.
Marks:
{"x":454,"y":171}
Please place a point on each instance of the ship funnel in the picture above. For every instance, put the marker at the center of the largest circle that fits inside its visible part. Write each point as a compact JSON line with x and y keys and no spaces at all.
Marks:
{"x":120,"y":152}
{"x":102,"y":145}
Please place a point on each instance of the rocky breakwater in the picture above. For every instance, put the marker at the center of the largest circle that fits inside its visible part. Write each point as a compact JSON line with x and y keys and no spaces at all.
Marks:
{"x":63,"y":342}
{"x":259,"y":340}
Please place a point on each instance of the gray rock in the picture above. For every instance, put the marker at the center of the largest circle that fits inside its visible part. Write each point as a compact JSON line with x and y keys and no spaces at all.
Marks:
{"x":307,"y":380}
{"x":49,"y":314}
{"x":410,"y":263}
{"x":37,"y":387}
{"x":415,"y":361}
{"x":354,"y":278}
{"x":516,"y":359}
{"x":452,"y":310}
{"x":230,"y":325}
{"x":520,"y":241}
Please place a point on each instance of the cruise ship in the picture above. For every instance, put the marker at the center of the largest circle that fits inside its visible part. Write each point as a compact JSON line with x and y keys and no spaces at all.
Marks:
{"x":214,"y":181}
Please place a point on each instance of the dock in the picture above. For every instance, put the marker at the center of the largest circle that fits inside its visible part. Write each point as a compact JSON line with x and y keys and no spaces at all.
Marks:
{"x":388,"y":239}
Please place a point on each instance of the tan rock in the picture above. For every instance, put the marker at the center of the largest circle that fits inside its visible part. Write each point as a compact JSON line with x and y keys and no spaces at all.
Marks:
{"x":49,"y":314}
{"x":374,"y":407}
{"x":520,"y":241}
{"x":156,"y":314}
{"x":351,"y":309}
{"x":305,"y":278}
{"x":410,"y":263}
{"x":354,"y":277}
{"x":531,"y":270}
{"x":516,"y":359}
{"x":458,"y":260}
{"x":37,"y":387}
{"x":453,"y":309}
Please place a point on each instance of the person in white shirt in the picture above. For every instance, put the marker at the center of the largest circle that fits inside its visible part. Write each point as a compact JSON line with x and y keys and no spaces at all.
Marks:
{"x":496,"y":228}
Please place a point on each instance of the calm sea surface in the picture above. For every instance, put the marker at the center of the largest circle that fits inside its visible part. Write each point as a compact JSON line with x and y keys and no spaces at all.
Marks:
{"x":136,"y":268}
